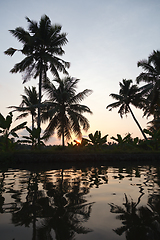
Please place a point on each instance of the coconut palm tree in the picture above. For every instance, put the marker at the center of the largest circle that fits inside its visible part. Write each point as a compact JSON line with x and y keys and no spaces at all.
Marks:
{"x":42,"y":44}
{"x":63,"y":108}
{"x":128,"y":94}
{"x":28,"y":105}
{"x":151,"y":76}
{"x":151,"y":90}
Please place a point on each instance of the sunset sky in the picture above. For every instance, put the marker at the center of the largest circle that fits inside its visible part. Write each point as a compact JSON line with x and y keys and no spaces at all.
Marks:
{"x":106,"y":39}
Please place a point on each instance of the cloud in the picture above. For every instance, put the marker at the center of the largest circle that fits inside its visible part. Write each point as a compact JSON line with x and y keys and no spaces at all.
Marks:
{"x":53,"y":141}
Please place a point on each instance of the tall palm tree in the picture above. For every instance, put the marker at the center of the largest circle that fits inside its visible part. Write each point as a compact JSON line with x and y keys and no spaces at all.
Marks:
{"x":151,"y":90}
{"x":42,"y":44}
{"x":63,"y":108}
{"x":151,"y":76}
{"x":28,"y":105}
{"x":128,"y":94}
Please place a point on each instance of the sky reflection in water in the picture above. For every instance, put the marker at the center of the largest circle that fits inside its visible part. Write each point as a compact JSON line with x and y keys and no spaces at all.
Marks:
{"x":92,"y":203}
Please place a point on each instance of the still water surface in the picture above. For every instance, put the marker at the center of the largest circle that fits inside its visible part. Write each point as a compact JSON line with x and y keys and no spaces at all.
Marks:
{"x":81,"y":204}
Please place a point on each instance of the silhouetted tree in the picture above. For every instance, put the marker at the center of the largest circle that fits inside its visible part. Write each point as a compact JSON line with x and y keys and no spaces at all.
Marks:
{"x":28,"y":105}
{"x":128,"y":94}
{"x":63,"y":109}
{"x":151,"y":90}
{"x":42,"y":44}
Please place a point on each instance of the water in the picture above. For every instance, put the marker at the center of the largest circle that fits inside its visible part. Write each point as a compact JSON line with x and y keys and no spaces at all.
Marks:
{"x":82,"y":204}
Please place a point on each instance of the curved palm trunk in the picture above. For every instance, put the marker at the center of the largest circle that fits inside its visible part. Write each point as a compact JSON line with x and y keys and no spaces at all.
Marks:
{"x":137,"y":122}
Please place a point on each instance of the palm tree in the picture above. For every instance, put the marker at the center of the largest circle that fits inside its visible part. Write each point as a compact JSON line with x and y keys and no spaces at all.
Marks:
{"x":151,"y":90}
{"x":151,"y":76}
{"x":42,"y":44}
{"x":28,"y":105}
{"x":63,"y":108}
{"x":128,"y":94}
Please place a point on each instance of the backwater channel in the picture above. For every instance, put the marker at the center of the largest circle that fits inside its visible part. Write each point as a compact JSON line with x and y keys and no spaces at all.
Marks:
{"x":88,"y":203}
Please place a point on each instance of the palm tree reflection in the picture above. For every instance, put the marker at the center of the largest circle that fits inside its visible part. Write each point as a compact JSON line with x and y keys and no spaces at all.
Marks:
{"x":141,"y":223}
{"x":60,"y":208}
{"x":27,"y":212}
{"x":70,"y":209}
{"x":1,"y":191}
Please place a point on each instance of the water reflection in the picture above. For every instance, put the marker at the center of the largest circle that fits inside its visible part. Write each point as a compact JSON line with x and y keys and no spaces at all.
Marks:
{"x":59,"y":205}
{"x":137,"y":222}
{"x":2,"y":199}
{"x":67,"y":204}
{"x":140,"y":222}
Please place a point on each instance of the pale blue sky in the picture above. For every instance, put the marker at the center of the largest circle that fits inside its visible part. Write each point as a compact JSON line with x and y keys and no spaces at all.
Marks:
{"x":106,"y":39}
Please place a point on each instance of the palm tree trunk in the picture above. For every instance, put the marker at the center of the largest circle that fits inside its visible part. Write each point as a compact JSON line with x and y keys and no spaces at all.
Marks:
{"x":63,"y":140}
{"x":32,"y":125}
{"x":32,"y":121}
{"x":63,"y":135}
{"x":137,"y":123}
{"x":63,"y":114}
{"x":6,"y":142}
{"x":39,"y":102}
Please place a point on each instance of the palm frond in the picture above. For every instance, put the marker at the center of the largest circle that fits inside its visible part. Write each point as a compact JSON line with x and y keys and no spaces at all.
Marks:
{"x":49,"y":131}
{"x":116,"y":96}
{"x":78,"y":121}
{"x":23,"y":65}
{"x":20,"y":126}
{"x":67,"y":128}
{"x":10,"y":51}
{"x":33,"y":25}
{"x":57,"y":64}
{"x":113,"y":105}
{"x":2,"y":121}
{"x":81,"y":96}
{"x":79,"y":108}
{"x":22,"y":35}
{"x":50,"y":109}
{"x":23,"y":115}
{"x":123,"y":110}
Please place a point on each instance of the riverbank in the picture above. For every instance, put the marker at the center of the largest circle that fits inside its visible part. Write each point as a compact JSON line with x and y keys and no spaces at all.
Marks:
{"x":62,"y":159}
